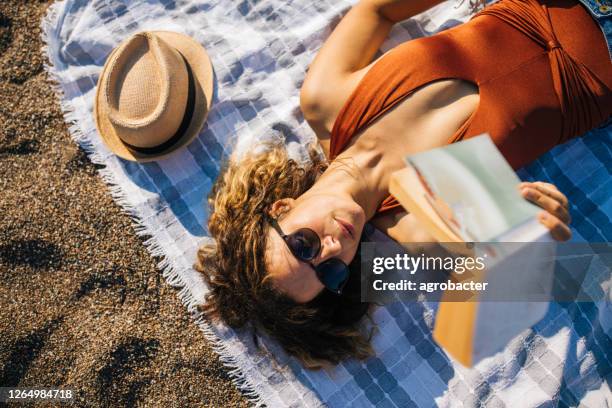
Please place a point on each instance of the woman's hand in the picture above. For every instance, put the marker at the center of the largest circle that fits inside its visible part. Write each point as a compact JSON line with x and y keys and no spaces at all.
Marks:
{"x":556,"y":216}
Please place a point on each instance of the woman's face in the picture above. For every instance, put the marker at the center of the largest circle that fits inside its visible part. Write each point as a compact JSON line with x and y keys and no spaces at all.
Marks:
{"x":337,"y":220}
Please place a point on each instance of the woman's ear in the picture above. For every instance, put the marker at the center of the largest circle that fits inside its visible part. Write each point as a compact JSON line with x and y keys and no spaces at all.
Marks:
{"x":279,"y":207}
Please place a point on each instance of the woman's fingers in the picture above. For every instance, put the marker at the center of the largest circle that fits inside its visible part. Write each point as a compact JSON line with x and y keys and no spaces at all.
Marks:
{"x":549,"y":198}
{"x":551,"y":191}
{"x":558,"y":229}
{"x":556,"y":215}
{"x":547,"y":203}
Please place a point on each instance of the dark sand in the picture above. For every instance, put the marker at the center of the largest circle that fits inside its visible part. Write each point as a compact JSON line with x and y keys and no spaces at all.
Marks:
{"x":82,"y":304}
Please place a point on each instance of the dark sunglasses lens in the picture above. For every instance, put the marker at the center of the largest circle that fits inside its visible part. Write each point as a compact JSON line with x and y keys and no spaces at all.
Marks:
{"x":304,"y":244}
{"x":334,"y":274}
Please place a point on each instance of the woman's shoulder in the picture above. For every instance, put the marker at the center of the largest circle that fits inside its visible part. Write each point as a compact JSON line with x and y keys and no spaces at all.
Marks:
{"x":322,"y":102}
{"x":324,"y":94}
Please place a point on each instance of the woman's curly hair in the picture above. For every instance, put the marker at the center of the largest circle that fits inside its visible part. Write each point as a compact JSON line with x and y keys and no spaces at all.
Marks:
{"x":324,"y":330}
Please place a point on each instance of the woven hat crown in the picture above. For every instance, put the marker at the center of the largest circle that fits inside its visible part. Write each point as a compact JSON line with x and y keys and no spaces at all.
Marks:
{"x":146,"y":91}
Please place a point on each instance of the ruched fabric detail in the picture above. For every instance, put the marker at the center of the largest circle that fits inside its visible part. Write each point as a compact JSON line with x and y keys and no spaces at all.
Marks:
{"x":575,"y":85}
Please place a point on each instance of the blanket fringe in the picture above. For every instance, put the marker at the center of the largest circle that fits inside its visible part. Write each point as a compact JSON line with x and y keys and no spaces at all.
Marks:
{"x":50,"y":26}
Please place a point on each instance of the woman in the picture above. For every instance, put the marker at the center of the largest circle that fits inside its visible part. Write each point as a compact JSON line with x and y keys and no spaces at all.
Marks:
{"x":530,"y":73}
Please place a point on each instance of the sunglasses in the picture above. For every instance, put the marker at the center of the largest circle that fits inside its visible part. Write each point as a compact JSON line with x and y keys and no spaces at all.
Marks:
{"x":305,"y":245}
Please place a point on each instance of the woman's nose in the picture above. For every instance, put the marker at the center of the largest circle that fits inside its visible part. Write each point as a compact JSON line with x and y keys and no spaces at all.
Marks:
{"x":331,"y":248}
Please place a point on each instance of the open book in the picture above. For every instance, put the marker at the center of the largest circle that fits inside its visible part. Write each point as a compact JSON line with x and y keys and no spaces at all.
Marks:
{"x":467,"y":192}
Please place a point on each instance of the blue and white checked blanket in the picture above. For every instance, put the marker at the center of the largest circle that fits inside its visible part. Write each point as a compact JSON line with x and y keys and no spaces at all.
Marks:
{"x":260,"y":51}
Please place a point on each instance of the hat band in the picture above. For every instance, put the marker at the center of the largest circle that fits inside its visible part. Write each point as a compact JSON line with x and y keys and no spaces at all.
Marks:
{"x":187,"y":116}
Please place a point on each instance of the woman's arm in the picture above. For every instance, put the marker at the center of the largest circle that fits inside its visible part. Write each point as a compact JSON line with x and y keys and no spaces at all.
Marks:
{"x":402,"y":227}
{"x":349,"y":49}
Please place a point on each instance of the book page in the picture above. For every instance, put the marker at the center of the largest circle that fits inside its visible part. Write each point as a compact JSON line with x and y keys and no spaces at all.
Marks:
{"x":473,"y":189}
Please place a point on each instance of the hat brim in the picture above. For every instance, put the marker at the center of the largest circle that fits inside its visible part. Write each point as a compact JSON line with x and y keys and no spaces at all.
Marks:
{"x":200,"y":64}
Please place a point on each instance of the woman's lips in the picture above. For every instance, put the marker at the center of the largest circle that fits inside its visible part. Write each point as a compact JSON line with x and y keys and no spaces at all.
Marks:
{"x":346,"y":227}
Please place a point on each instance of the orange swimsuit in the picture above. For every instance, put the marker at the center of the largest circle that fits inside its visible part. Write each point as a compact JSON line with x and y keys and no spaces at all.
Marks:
{"x":542,"y":68}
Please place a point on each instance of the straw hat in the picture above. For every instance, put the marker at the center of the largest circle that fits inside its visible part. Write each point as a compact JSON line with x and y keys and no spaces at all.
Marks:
{"x":153,"y":95}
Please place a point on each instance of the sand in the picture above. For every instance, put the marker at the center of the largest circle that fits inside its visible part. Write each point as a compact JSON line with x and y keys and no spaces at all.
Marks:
{"x":82,"y":304}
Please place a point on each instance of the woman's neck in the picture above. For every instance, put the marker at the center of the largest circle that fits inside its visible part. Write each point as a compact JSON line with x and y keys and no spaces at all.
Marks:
{"x":360,"y":175}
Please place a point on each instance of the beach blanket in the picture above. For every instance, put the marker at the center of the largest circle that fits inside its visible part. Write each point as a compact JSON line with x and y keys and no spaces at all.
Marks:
{"x":260,"y":51}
